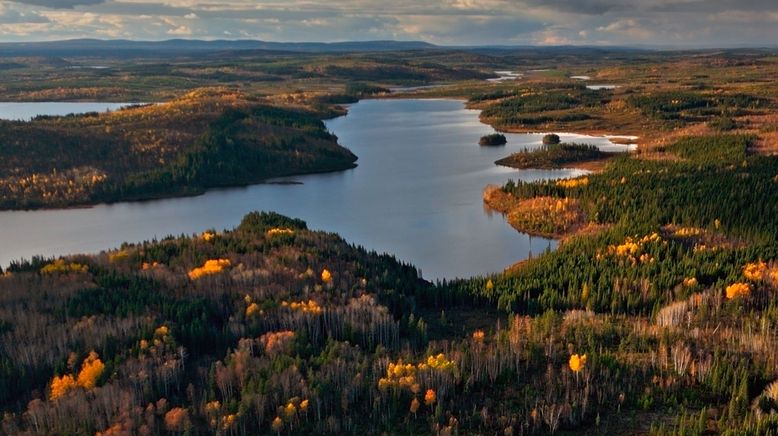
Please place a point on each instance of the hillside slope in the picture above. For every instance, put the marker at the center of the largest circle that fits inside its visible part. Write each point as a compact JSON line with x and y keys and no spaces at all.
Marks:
{"x":202,"y":140}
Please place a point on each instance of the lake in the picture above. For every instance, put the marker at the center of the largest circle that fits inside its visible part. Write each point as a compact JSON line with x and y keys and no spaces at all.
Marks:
{"x":27,"y":111}
{"x":415,"y":194}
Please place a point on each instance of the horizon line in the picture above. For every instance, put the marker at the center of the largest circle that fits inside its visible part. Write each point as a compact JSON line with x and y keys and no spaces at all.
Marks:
{"x":659,"y":47}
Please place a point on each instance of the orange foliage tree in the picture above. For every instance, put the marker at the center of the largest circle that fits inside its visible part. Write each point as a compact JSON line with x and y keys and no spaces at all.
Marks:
{"x":577,"y":363}
{"x":737,"y":290}
{"x":87,"y":378}
{"x":430,"y":397}
{"x":177,"y":419}
{"x":212,"y":266}
{"x":62,"y":385}
{"x":326,"y":276}
{"x":91,"y":370}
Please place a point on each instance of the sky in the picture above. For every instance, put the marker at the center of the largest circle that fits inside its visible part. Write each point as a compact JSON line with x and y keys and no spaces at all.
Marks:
{"x":681,"y":23}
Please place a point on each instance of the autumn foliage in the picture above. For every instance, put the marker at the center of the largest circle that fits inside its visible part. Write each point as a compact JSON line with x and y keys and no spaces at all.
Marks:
{"x":577,"y":363}
{"x":309,"y":306}
{"x":326,"y":276}
{"x":60,"y":266}
{"x":430,"y":397}
{"x":62,"y":385}
{"x":211,"y":267}
{"x":276,"y":231}
{"x":543,"y":216}
{"x":738,"y":290}
{"x":573,"y":183}
{"x":177,"y":419}
{"x":276,"y":341}
{"x":91,"y":370}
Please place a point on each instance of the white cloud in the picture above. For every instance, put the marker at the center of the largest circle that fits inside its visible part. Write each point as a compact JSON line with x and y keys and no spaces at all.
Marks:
{"x":23,"y":29}
{"x":180,"y":31}
{"x":628,"y":27}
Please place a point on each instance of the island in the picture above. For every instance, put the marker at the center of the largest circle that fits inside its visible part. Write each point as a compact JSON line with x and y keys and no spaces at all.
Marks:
{"x":551,"y":139}
{"x":493,"y":139}
{"x":554,"y":156}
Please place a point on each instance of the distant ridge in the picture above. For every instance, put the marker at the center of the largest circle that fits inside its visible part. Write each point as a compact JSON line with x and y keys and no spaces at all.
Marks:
{"x":130,"y":48}
{"x":74,"y":47}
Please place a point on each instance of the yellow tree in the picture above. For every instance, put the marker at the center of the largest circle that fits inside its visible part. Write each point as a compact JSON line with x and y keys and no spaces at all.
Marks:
{"x":62,"y":385}
{"x":326,"y":276}
{"x":91,"y":370}
{"x":737,"y":290}
{"x":577,"y":363}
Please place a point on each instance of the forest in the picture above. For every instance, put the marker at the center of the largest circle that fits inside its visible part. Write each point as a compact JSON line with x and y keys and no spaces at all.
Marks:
{"x":207,"y":138}
{"x":665,"y":320}
{"x":656,"y":313}
{"x":553,"y":156}
{"x":664,"y":323}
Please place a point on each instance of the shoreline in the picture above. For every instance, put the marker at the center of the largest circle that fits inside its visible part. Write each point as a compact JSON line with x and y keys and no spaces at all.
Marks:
{"x":509,"y":207}
{"x":595,"y":165}
{"x":592,"y":165}
{"x":179,"y":194}
{"x":627,"y":138}
{"x":589,"y":166}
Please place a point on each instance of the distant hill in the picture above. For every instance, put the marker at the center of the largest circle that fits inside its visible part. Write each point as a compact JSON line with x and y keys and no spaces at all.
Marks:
{"x":129,"y":48}
{"x":76,"y":47}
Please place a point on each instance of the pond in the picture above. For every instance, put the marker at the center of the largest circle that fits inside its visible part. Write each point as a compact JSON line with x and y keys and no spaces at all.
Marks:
{"x":503,"y":76}
{"x":601,"y":87}
{"x":417,"y":194}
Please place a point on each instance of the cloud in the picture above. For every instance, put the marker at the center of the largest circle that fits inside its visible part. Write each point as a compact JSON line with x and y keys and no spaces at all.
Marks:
{"x":551,"y":37}
{"x":585,"y":7}
{"x":454,"y":22}
{"x":713,"y":6}
{"x":59,"y":4}
{"x":629,"y":27}
{"x":10,"y":15}
{"x":180,"y":31}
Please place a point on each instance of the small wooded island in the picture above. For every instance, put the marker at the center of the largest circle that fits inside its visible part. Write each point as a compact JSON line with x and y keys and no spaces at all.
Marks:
{"x":553,"y":156}
{"x":551,"y":139}
{"x":493,"y":139}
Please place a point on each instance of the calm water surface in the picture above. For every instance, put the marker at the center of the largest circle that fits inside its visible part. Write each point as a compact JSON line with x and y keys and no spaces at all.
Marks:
{"x":27,"y":111}
{"x":416,"y":194}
